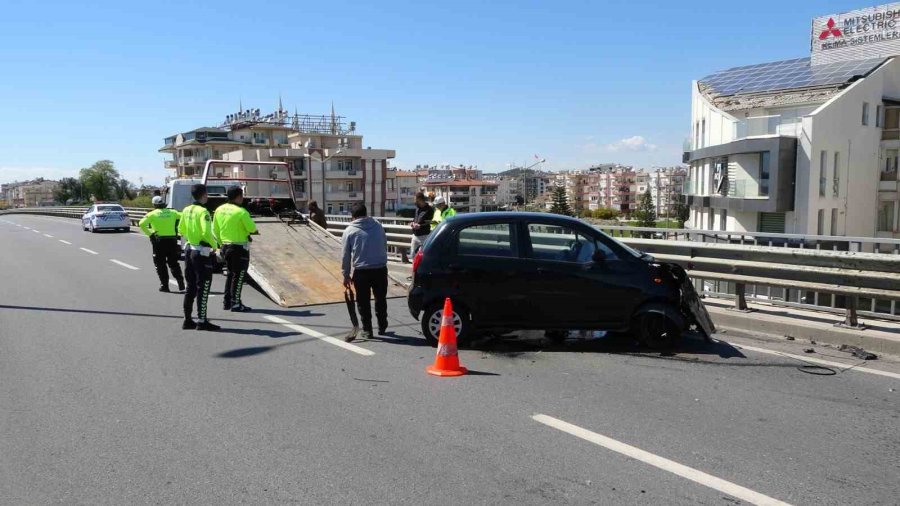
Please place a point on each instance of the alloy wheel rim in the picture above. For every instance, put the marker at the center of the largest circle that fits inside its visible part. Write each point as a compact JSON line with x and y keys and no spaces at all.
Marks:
{"x":434,"y":323}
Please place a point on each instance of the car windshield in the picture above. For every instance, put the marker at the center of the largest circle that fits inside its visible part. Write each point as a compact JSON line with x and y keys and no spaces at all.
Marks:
{"x":629,"y":249}
{"x":110,"y":209}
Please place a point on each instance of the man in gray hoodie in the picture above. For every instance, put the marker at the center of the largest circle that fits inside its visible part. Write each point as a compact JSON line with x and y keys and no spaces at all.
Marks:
{"x":364,"y":265}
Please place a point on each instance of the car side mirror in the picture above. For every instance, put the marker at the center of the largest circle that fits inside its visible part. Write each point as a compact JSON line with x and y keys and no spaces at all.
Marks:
{"x":598,"y":257}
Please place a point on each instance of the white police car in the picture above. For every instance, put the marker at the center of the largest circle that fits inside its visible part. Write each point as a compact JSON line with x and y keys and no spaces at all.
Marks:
{"x":106,"y":217}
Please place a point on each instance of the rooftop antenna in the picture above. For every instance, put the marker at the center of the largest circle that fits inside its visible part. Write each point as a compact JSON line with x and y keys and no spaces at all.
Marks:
{"x":280,"y":108}
{"x":333,"y":124}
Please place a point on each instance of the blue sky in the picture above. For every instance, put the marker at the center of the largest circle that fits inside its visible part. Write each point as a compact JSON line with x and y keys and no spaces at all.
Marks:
{"x":484,"y":83}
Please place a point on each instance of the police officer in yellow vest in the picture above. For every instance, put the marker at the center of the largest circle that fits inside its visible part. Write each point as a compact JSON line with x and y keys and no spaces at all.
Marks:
{"x":200,"y":251}
{"x":441,"y":211}
{"x":233,"y":226}
{"x":161,"y":225}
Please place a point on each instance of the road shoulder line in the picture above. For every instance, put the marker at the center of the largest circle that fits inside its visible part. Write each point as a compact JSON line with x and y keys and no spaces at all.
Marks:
{"x":318,"y":335}
{"x":707,"y":480}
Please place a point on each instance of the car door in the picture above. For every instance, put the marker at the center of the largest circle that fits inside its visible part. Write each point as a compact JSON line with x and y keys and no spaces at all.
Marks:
{"x":86,"y":217}
{"x":568,"y":287}
{"x":485,"y":267}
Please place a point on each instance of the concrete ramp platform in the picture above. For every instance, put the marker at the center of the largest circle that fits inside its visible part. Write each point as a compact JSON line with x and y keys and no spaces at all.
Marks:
{"x":300,"y":265}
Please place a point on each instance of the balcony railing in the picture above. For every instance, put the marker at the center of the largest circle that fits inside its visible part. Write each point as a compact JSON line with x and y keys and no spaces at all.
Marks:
{"x":767,"y":125}
{"x":743,"y":188}
{"x":171,"y":164}
{"x":889,"y":176}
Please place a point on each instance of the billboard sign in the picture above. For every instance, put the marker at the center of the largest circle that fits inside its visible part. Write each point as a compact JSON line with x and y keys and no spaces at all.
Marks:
{"x":856,"y":35}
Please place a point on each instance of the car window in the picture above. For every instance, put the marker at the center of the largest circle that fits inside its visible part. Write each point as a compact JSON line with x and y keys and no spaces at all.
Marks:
{"x":90,"y":210}
{"x":111,"y":208}
{"x":563,"y":244}
{"x":494,"y":240}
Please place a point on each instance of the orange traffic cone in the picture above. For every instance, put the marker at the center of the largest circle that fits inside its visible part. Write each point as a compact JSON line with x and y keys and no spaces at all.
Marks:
{"x":446,"y":362}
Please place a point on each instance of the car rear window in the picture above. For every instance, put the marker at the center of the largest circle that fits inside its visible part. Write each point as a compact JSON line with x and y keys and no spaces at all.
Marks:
{"x":107,"y":209}
{"x":494,"y":240}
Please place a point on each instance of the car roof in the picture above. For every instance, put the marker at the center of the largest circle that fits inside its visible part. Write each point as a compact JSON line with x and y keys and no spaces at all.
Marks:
{"x":493,"y":216}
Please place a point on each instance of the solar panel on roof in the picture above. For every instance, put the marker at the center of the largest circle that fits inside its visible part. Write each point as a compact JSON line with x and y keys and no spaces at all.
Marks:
{"x":787,"y":74}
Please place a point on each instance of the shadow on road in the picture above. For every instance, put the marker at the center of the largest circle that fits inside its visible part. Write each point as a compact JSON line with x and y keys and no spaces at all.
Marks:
{"x":288,"y":312}
{"x":623,"y":344}
{"x":259,"y":350}
{"x":122,"y":313}
{"x":274,"y":334}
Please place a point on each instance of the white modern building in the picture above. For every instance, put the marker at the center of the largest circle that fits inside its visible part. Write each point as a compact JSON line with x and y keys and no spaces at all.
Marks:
{"x":807,"y":145}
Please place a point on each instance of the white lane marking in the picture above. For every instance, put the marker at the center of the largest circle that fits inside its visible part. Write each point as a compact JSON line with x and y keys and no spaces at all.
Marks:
{"x":318,"y":335}
{"x":89,"y":251}
{"x":806,"y":358}
{"x":123,"y":264}
{"x":726,"y":487}
{"x":36,"y":231}
{"x":48,"y":235}
{"x":26,"y":228}
{"x":65,"y":242}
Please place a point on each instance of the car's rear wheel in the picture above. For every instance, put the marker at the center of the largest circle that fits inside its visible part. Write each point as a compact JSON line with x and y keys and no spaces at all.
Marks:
{"x":431,"y":324}
{"x":657,"y":331}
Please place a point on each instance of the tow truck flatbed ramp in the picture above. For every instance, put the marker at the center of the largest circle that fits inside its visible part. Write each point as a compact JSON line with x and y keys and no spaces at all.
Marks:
{"x":300,"y":265}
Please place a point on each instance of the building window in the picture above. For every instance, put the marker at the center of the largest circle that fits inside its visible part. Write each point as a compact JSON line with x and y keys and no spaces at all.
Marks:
{"x":836,"y":176}
{"x":834,"y":221}
{"x":820,"y":223}
{"x":703,"y":132}
{"x":823,"y":173}
{"x":865,"y":114}
{"x":764,"y":174}
{"x":889,"y":169}
{"x":879,"y":116}
{"x":885,"y":217}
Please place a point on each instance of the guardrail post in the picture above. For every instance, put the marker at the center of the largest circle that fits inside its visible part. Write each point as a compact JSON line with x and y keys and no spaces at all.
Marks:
{"x":740,"y":298}
{"x":851,"y":320}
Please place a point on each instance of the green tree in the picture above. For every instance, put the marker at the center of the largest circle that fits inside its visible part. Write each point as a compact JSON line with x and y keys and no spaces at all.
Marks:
{"x":125,"y":190}
{"x":560,"y":202}
{"x":100,"y":180}
{"x":606,"y":213}
{"x":681,"y":210}
{"x":69,"y":190}
{"x":646,"y":211}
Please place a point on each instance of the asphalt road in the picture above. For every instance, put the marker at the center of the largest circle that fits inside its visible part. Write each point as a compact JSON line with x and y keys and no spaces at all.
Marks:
{"x":105,"y":400}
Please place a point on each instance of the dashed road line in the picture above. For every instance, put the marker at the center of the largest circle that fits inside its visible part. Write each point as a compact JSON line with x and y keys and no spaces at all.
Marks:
{"x":36,"y":231}
{"x":65,"y":242}
{"x":92,"y":252}
{"x":318,"y":335}
{"x":726,"y":487}
{"x":123,"y":264}
{"x":805,"y":358}
{"x":48,"y":235}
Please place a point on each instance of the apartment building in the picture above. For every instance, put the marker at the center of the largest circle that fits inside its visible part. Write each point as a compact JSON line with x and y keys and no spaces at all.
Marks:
{"x":35,"y":193}
{"x":406,"y":185}
{"x":804,"y":146}
{"x":666,"y":184}
{"x":327,"y":160}
{"x":466,"y":195}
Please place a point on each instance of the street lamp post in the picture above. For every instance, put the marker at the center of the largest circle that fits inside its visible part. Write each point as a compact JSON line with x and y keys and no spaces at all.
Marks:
{"x":526,"y":178}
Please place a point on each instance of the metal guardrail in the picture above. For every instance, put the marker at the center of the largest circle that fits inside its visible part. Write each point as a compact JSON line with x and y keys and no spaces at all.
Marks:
{"x":134,"y":213}
{"x":823,"y":273}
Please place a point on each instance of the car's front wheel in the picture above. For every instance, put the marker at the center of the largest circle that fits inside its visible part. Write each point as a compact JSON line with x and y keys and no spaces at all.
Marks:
{"x":657,"y":331}
{"x":434,"y":315}
{"x":91,"y":227}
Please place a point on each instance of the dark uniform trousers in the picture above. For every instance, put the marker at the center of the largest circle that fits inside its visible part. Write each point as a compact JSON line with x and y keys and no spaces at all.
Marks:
{"x":166,"y":253}
{"x":237,"y":260}
{"x":368,"y":282}
{"x":198,"y":270}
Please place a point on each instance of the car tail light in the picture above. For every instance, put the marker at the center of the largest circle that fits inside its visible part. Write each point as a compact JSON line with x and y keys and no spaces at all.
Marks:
{"x":417,"y":260}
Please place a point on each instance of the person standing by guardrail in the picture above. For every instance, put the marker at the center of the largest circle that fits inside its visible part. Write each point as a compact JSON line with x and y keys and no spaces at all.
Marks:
{"x":364,"y":265}
{"x":421,"y":225}
{"x":200,"y":250}
{"x":233,"y":226}
{"x":161,"y":226}
{"x":317,"y":215}
{"x":441,"y":211}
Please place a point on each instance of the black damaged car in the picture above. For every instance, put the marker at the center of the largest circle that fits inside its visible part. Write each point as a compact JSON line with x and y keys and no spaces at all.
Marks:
{"x":529,"y":271}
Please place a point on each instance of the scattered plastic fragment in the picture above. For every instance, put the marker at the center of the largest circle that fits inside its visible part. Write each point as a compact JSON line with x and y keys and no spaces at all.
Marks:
{"x":858,"y":352}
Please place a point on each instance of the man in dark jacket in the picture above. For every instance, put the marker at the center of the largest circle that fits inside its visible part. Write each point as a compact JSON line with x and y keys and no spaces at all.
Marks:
{"x":364,"y":265}
{"x":421,"y":225}
{"x":317,"y":215}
